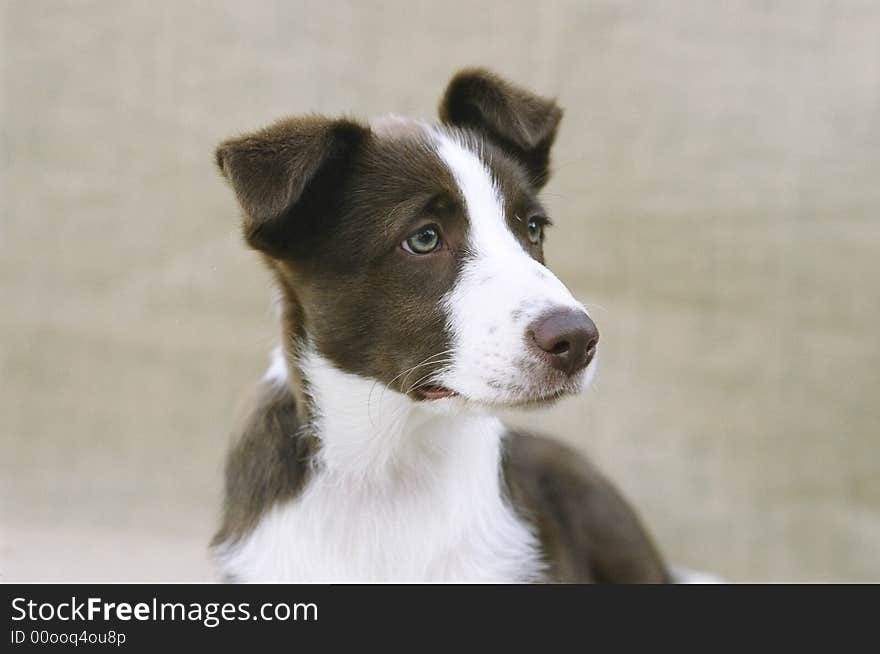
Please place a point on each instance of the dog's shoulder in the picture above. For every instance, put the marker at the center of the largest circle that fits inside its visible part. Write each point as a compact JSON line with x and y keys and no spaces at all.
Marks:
{"x":269,"y":461}
{"x":588,"y":531}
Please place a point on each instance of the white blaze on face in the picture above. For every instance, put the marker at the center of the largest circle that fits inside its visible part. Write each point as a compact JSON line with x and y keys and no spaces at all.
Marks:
{"x":500,"y":291}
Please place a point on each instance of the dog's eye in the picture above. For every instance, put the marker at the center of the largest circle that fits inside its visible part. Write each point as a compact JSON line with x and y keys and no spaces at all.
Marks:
{"x":424,"y":241}
{"x":536,"y":230}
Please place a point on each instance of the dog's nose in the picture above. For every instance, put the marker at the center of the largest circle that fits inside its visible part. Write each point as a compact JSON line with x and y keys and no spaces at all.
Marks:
{"x":568,"y":336}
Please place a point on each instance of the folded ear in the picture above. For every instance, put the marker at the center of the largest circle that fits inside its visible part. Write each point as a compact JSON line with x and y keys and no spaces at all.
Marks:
{"x":284,"y":176}
{"x":522,"y":123}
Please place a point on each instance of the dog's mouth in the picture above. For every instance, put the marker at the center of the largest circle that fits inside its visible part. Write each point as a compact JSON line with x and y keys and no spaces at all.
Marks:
{"x":512,"y":396}
{"x":434,"y":392}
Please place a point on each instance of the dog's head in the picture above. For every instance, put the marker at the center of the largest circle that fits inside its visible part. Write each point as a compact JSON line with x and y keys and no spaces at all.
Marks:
{"x":412,"y":254}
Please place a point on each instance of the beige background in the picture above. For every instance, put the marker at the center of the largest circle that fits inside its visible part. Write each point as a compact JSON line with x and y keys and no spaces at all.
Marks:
{"x":716,"y":201}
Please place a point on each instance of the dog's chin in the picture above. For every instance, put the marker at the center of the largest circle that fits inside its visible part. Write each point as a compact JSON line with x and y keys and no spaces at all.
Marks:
{"x":515,"y":395}
{"x":443,"y":398}
{"x":539,"y":401}
{"x":545,"y":397}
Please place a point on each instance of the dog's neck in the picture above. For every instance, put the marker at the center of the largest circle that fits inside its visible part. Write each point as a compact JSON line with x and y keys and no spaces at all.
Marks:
{"x":374,"y":435}
{"x":398,"y":493}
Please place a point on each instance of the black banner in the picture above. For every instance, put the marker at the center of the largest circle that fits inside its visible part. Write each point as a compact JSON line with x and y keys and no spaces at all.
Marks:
{"x":147,"y":617}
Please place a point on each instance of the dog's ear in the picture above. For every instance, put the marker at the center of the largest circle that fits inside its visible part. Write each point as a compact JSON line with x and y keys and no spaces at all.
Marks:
{"x":522,"y":123}
{"x":284,"y":176}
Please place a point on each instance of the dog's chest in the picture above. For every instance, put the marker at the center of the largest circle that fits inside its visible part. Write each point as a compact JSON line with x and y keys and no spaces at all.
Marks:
{"x":447,"y":524}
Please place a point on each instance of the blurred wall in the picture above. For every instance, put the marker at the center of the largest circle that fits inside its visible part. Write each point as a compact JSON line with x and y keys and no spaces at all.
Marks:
{"x":717,"y":200}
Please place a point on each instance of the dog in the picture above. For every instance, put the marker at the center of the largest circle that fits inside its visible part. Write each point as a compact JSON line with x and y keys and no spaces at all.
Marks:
{"x":415,"y":303}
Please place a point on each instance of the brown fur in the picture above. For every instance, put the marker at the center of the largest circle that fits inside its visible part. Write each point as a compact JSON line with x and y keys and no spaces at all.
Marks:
{"x":588,"y":532}
{"x":523,"y":124}
{"x":268,"y":464}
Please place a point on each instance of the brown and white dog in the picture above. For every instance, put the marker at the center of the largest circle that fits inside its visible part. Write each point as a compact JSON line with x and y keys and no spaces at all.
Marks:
{"x":414,"y":303}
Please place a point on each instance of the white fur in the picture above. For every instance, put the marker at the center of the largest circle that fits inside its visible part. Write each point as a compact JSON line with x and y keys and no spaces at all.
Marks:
{"x":399,"y":493}
{"x":277,"y":372}
{"x":682,"y":575}
{"x":499,"y":292}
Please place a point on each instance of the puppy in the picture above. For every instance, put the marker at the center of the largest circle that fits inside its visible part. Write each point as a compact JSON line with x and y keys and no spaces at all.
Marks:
{"x":414,"y":304}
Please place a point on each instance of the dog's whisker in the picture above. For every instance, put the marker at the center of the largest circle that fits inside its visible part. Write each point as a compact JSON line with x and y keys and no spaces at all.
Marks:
{"x":431,"y":375}
{"x":405,"y":373}
{"x":425,"y":362}
{"x":430,"y":360}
